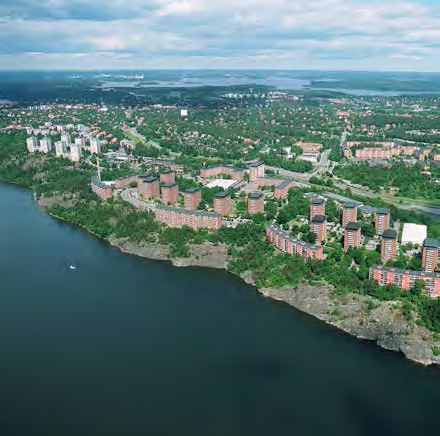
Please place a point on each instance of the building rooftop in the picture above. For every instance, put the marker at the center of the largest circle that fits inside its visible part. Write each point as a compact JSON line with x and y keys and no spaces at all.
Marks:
{"x":284,"y":184}
{"x":188,"y":212}
{"x":414,"y":233}
{"x":382,"y":211}
{"x":222,"y":194}
{"x":149,"y":179}
{"x":256,"y":164}
{"x":389,"y":234}
{"x":255,"y":195}
{"x":431,"y":243}
{"x":192,"y":190}
{"x":166,"y":172}
{"x":353,"y":226}
{"x":319,"y":219}
{"x":169,"y":185}
{"x":285,"y":235}
{"x":350,"y":205}
{"x":423,"y":274}
{"x":317,"y":200}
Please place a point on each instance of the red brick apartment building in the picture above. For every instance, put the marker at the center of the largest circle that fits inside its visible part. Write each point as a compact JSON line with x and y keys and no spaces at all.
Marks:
{"x":222,"y":203}
{"x":389,"y":245}
{"x":192,"y":198}
{"x":317,"y":207}
{"x":256,"y":170}
{"x":255,"y":203}
{"x":176,"y":217}
{"x":287,"y":244}
{"x":318,"y":226}
{"x":103,"y":191}
{"x":430,"y":254}
{"x":170,"y":193}
{"x":222,"y":170}
{"x":352,"y":235}
{"x":349,"y":213}
{"x":405,"y":279}
{"x":382,"y":220}
{"x":282,"y":190}
{"x":148,"y":187}
{"x":168,"y":176}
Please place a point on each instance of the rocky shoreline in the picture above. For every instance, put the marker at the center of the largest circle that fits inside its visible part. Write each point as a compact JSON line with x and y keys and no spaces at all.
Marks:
{"x":361,"y":316}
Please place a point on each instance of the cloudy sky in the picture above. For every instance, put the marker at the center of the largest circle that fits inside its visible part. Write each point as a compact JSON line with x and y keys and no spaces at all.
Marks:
{"x":290,"y":34}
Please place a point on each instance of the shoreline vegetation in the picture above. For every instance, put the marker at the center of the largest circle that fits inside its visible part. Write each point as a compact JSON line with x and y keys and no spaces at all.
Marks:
{"x":332,"y":290}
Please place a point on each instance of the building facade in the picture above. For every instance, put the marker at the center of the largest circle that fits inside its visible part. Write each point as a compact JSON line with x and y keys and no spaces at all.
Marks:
{"x":168,"y":176}
{"x":219,"y":170}
{"x":287,"y":244}
{"x":176,"y":217}
{"x":255,"y":203}
{"x":256,"y":170}
{"x":352,"y":236}
{"x":349,"y":213}
{"x":317,"y":207}
{"x":170,"y":193}
{"x":148,"y":187}
{"x":430,"y":255}
{"x":222,"y":203}
{"x":406,"y":279}
{"x":192,"y":198}
{"x":318,"y":226}
{"x":389,"y":245}
{"x":102,"y":190}
{"x":382,"y":220}
{"x":282,"y":190}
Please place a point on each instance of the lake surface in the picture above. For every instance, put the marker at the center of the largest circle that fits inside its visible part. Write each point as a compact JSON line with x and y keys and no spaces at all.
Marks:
{"x":128,"y":346}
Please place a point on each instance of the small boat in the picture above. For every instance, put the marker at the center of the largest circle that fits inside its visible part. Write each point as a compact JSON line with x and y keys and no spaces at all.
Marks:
{"x":72,"y":267}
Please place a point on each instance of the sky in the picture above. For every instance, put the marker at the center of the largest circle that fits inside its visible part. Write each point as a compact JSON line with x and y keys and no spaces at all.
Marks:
{"x":377,"y":35}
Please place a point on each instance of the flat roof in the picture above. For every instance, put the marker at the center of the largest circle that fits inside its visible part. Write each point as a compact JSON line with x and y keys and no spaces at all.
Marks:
{"x":424,"y":274}
{"x":169,"y":185}
{"x":166,"y":172}
{"x":350,"y":205}
{"x":222,"y":194}
{"x":149,"y":179}
{"x":389,"y":234}
{"x":255,"y":195}
{"x":353,"y":226}
{"x":319,"y":219}
{"x":382,"y":211}
{"x":414,"y":233}
{"x":188,"y":212}
{"x":222,"y":183}
{"x":317,"y":200}
{"x":285,"y":235}
{"x":192,"y":190}
{"x":431,"y":243}
{"x":284,"y":183}
{"x":256,"y":164}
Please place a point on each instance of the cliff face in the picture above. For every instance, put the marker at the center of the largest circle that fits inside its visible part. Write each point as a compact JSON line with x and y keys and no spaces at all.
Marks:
{"x":363,"y":317}
{"x":203,"y":255}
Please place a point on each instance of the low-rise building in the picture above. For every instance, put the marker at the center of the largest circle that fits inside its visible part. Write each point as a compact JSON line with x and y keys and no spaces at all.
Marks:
{"x":176,"y":217}
{"x":288,"y":244}
{"x":101,"y":189}
{"x":126,"y":181}
{"x":405,"y":279}
{"x":282,"y":190}
{"x":218,"y":170}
